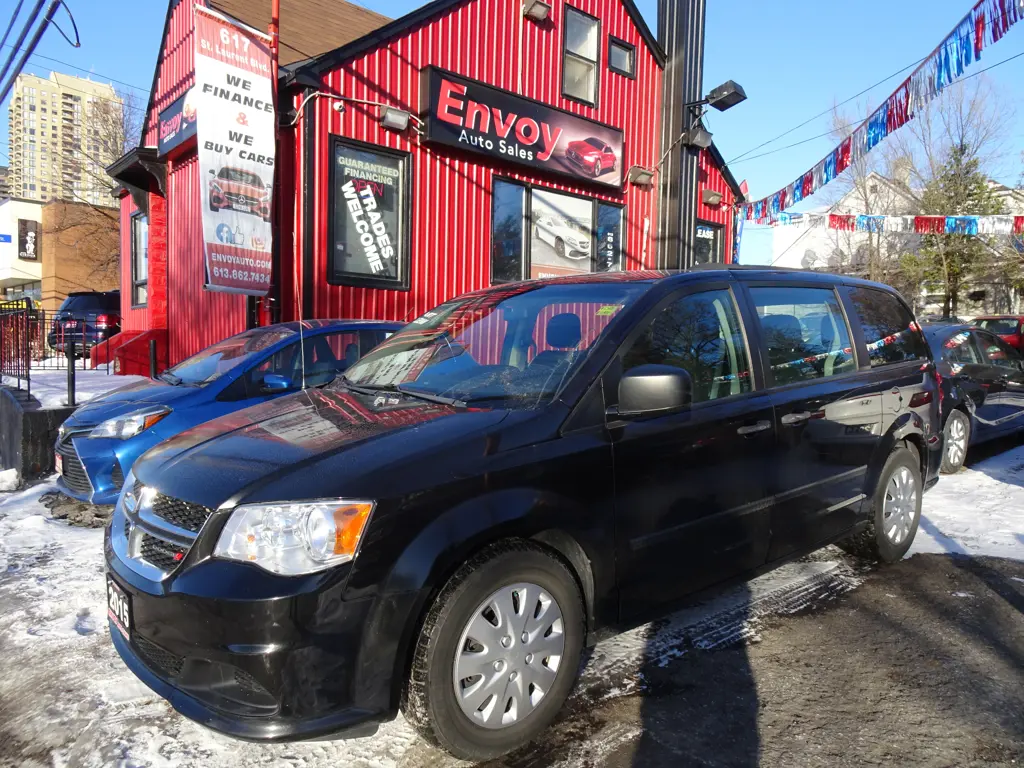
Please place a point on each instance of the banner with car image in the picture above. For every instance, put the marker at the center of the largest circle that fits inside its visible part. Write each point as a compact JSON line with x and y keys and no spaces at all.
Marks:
{"x":234,"y":102}
{"x":469,"y":115}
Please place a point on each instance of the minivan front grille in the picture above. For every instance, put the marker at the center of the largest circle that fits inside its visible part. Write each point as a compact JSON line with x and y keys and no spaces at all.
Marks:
{"x":159,"y":658}
{"x":183,"y":514}
{"x":162,"y":554}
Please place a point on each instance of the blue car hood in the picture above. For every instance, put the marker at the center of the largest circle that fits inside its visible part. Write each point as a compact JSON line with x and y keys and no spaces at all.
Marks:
{"x":130,"y":398}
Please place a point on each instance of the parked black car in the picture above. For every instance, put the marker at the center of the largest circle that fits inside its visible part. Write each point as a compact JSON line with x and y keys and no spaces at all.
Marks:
{"x":982,"y":388}
{"x":87,"y":317}
{"x":516,"y":472}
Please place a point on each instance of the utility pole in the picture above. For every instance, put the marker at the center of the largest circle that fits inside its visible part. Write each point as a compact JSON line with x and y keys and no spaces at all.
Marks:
{"x":681,"y":34}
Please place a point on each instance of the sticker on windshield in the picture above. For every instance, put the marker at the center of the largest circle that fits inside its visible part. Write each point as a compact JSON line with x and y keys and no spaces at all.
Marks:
{"x":608,"y":310}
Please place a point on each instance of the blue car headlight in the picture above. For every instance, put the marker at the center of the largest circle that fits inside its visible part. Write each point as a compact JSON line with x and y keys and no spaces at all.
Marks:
{"x":131,"y":424}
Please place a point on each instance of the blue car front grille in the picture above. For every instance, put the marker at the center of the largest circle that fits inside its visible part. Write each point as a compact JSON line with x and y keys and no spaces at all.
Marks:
{"x":74,"y":473}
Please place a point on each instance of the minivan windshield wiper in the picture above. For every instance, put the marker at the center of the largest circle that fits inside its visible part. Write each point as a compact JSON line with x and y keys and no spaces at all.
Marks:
{"x":373,"y":389}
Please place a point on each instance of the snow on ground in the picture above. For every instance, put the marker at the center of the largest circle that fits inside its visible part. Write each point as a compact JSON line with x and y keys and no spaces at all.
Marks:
{"x":66,"y":699}
{"x":50,"y":386}
{"x":9,"y":480}
{"x":978,"y":511}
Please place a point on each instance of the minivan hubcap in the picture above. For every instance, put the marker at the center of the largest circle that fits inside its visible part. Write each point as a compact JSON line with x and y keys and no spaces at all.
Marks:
{"x":956,"y":444}
{"x":900,"y":505}
{"x":508,"y":656}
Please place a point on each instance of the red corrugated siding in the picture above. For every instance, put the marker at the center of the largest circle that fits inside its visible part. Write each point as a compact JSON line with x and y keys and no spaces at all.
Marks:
{"x":196,"y":317}
{"x":711,"y":178}
{"x":174,"y":66}
{"x":477,"y":39}
{"x":131,"y":319}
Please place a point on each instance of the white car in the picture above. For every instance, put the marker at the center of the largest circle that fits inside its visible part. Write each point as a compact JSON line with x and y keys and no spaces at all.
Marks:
{"x":568,"y":242}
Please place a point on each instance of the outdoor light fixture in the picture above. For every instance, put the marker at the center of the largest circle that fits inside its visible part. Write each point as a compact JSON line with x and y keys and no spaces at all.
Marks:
{"x":642,"y":177}
{"x":537,"y":10}
{"x":728,"y":94}
{"x":393,"y":118}
{"x":697,"y":136}
{"x":710,"y":197}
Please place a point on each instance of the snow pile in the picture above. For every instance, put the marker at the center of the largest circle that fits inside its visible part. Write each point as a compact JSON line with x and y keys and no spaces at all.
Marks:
{"x":978,"y":511}
{"x":50,"y":387}
{"x":9,"y":480}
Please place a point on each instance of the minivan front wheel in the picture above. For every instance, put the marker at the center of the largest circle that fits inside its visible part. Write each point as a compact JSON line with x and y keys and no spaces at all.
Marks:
{"x":895,"y":510}
{"x":497,"y":654}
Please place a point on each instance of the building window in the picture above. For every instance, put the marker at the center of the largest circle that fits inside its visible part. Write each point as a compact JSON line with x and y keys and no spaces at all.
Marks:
{"x":707,"y":246}
{"x":580,"y":56}
{"x":140,"y":260}
{"x":621,"y":57}
{"x":370,"y":211}
{"x":567,"y":234}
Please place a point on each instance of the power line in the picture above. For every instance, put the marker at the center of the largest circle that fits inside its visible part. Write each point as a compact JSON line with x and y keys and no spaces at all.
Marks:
{"x":32,"y":16}
{"x":82,"y":69}
{"x":10,"y":24}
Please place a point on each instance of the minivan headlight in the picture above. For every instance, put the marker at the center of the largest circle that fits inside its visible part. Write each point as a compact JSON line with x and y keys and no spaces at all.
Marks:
{"x":295,"y":538}
{"x":131,"y":424}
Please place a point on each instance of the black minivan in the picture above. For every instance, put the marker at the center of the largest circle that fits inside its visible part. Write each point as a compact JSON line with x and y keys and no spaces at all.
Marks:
{"x":515,"y":474}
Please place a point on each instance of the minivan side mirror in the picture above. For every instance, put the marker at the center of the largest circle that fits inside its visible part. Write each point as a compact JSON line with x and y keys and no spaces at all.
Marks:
{"x":654,"y":389}
{"x":275,"y":384}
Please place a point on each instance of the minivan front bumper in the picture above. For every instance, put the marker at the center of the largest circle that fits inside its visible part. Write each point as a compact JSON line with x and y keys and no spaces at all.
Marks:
{"x":271,"y":668}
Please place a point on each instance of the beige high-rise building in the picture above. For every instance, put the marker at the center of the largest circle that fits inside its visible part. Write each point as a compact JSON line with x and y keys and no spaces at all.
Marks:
{"x":64,"y":131}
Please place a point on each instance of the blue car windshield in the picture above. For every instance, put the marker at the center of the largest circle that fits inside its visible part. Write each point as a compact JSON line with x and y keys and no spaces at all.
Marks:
{"x":509,"y":347}
{"x":214,"y":361}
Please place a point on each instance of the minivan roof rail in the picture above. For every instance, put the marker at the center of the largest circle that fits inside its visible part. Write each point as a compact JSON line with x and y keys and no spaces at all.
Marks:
{"x":760,"y":267}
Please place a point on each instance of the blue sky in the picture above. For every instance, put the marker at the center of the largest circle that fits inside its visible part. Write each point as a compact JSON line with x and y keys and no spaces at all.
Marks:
{"x":794,"y":59}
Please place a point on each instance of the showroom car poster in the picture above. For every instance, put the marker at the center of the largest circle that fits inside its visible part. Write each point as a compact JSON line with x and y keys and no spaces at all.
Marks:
{"x":235,"y":135}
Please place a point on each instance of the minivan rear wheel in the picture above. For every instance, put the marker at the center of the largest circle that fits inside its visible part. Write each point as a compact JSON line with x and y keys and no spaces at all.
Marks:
{"x":895,"y":510}
{"x":497,"y":654}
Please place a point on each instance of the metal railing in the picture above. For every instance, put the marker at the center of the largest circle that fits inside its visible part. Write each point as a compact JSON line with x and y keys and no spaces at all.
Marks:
{"x":34,"y":340}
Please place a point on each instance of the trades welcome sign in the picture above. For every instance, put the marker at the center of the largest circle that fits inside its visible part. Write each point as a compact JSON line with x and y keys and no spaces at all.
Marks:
{"x":235,"y":110}
{"x":468,"y":114}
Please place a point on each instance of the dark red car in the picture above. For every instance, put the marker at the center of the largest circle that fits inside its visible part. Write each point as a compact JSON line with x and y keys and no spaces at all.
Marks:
{"x":240,"y":190}
{"x":592,"y":155}
{"x":1010,"y":328}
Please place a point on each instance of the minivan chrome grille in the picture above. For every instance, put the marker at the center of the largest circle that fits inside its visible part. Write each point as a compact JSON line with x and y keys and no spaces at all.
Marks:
{"x":183,"y":514}
{"x":157,"y":532}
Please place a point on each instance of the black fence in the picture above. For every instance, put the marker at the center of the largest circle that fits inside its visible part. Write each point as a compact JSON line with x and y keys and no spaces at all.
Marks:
{"x":33,"y":340}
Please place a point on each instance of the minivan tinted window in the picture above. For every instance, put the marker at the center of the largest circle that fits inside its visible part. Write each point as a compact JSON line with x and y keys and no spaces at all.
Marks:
{"x":891,"y":334}
{"x":701,"y":334}
{"x":805,"y":332}
{"x":93,"y":302}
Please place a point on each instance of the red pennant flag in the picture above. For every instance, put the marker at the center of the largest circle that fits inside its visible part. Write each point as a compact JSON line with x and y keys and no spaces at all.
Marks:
{"x":843,"y":155}
{"x":1018,"y":225}
{"x":929,"y":225}
{"x":842,"y":222}
{"x":808,"y":184}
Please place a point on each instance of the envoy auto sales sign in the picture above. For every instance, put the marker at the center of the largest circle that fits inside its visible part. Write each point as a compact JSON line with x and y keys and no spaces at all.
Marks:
{"x":476,"y":117}
{"x":235,"y":134}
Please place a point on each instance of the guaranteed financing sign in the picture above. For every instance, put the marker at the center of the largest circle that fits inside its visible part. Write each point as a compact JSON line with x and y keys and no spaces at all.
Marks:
{"x":470,"y":115}
{"x":235,"y":111}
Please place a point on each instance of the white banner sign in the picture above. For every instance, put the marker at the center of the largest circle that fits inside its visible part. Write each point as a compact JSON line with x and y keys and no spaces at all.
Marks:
{"x":235,"y":106}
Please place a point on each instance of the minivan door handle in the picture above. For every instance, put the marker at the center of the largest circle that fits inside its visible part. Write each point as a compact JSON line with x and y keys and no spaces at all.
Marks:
{"x":791,"y":419}
{"x":751,"y":429}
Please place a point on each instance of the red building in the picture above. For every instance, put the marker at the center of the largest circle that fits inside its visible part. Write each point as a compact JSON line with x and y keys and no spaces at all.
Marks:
{"x":516,"y":164}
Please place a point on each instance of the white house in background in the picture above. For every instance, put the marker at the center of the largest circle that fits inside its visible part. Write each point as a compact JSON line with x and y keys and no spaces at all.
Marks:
{"x":21,"y":259}
{"x":818,"y":247}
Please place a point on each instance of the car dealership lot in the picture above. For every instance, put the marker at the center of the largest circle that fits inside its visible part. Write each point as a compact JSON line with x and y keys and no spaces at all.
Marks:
{"x":924,"y":656}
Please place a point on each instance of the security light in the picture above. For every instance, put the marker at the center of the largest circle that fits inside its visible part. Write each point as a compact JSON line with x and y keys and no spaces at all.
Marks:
{"x":728,"y":94}
{"x":537,"y":10}
{"x":697,"y":136}
{"x":642,"y":177}
{"x":394,"y":118}
{"x":710,"y":197}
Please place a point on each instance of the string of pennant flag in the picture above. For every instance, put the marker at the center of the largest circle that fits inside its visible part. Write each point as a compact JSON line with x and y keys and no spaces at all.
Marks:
{"x":986,"y":24}
{"x":922,"y":225}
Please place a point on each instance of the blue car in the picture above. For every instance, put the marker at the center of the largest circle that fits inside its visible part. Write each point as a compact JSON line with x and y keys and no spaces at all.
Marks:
{"x":100,"y":441}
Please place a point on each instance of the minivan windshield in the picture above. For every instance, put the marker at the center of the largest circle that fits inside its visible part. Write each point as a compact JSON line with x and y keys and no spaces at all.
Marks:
{"x":509,"y":347}
{"x":214,"y":361}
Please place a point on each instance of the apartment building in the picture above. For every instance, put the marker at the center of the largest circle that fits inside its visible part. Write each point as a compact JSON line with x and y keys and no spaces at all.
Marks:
{"x":5,"y":189}
{"x":63,"y":133}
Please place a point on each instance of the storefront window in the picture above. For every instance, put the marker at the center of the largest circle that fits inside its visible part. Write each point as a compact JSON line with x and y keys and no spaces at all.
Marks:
{"x":140,"y":260}
{"x":508,"y":217}
{"x":567,"y":234}
{"x":579,"y":70}
{"x":707,"y":247}
{"x":369,"y":216}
